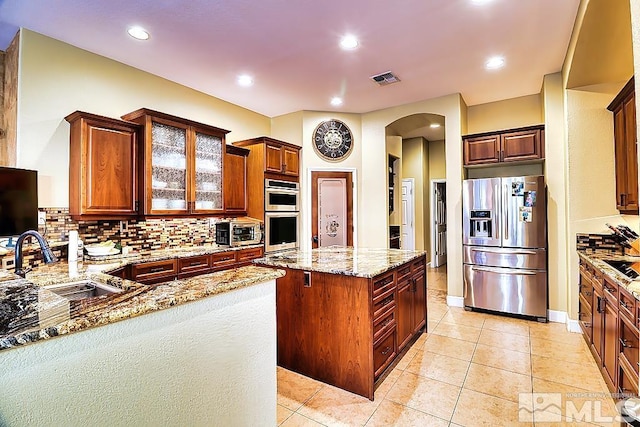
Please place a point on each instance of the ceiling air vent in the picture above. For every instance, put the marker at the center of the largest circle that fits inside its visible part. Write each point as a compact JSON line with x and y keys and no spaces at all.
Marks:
{"x":385,"y":78}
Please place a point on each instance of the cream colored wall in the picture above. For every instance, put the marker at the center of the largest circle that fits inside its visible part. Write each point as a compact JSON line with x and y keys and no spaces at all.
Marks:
{"x":57,"y":79}
{"x":591,"y":173}
{"x":414,"y":157}
{"x":288,"y":127}
{"x":437,"y":162}
{"x":374,"y":160}
{"x":311,"y":161}
{"x":209,"y":362}
{"x":559,"y":241}
{"x":394,"y":148}
{"x":505,"y":114}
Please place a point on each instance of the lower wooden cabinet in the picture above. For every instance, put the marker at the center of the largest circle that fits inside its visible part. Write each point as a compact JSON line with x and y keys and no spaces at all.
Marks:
{"x":345,"y":330}
{"x":154,"y":272}
{"x":608,"y":318}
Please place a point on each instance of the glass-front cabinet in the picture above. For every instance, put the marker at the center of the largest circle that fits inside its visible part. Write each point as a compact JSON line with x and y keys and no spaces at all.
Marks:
{"x":182,"y":165}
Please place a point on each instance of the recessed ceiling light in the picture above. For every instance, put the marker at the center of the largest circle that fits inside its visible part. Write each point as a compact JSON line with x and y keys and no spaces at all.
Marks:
{"x":349,"y":42}
{"x":336,"y":100}
{"x":138,"y":33}
{"x":434,"y":125}
{"x":481,"y":2}
{"x":494,"y":63}
{"x":245,"y":80}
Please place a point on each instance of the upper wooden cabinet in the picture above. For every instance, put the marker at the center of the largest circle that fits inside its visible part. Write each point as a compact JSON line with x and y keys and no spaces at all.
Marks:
{"x":102,"y":166}
{"x":626,"y":156}
{"x":181,"y":165}
{"x":274,"y":157}
{"x":235,"y":179}
{"x":268,"y":159}
{"x":514,"y":145}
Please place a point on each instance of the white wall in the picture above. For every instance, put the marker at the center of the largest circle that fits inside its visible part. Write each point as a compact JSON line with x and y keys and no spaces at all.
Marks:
{"x":208,"y":362}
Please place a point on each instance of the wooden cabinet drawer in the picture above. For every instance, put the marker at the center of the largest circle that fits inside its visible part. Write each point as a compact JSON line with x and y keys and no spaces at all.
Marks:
{"x":383,"y":303}
{"x":155,"y":271}
{"x":627,"y":305}
{"x":610,"y":291}
{"x":629,"y":342}
{"x":383,"y":284}
{"x":245,"y":256}
{"x":194,"y":265}
{"x":403,"y":271}
{"x":627,"y":380}
{"x":417,"y":266}
{"x":384,"y":352}
{"x":386,"y":322}
{"x":585,"y":318}
{"x":122,"y":272}
{"x":223,"y":260}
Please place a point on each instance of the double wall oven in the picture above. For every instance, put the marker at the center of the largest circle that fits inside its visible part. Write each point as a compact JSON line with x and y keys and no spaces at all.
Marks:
{"x":282,"y":215}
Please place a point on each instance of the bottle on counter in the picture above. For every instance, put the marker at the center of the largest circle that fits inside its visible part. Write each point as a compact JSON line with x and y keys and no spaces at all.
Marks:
{"x":72,"y":250}
{"x":80,"y":249}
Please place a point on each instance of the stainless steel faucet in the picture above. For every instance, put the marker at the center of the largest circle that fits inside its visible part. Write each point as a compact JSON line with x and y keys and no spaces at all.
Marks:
{"x":47,"y":255}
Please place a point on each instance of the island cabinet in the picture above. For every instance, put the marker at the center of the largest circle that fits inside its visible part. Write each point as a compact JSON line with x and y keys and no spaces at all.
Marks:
{"x":103,"y":156}
{"x":345,"y":329}
{"x":514,"y":145}
{"x":181,"y":165}
{"x":626,"y":158}
{"x":235,"y":180}
{"x":268,"y":159}
{"x":411,"y":301}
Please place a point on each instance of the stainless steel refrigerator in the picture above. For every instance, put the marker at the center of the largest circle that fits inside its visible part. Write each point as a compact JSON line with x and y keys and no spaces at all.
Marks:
{"x":505,"y":245}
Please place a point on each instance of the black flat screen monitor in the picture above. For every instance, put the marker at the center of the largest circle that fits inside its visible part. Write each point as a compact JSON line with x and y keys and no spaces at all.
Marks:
{"x":18,"y":201}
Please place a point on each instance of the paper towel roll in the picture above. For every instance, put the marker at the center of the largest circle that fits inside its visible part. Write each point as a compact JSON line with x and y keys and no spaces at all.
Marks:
{"x":73,"y":246}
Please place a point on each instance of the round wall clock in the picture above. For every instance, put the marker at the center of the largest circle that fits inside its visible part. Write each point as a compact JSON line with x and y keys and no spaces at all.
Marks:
{"x":332,"y":140}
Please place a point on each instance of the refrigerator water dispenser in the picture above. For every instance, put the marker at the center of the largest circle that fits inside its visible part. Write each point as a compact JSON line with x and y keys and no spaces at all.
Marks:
{"x":480,"y":222}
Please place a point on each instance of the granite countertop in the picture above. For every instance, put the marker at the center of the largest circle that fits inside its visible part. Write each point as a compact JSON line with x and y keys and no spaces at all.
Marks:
{"x":30,"y":313}
{"x":342,"y":260}
{"x":597,"y":259}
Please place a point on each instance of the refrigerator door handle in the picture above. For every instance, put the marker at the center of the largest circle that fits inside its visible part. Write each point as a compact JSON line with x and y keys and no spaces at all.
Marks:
{"x":500,"y":251}
{"x":505,"y":213}
{"x":505,"y":271}
{"x":496,"y":193}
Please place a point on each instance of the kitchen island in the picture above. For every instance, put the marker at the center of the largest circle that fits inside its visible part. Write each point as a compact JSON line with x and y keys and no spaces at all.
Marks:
{"x":344,"y":315}
{"x":197,"y":351}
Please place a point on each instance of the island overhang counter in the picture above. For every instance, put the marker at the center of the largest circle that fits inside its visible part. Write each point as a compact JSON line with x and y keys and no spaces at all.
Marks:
{"x":345,"y":314}
{"x":197,"y":351}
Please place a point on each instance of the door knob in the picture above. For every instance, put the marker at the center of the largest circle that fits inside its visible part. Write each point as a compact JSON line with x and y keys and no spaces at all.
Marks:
{"x":315,"y":239}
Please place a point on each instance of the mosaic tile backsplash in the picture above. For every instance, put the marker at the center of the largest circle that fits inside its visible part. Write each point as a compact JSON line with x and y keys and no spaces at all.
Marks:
{"x":140,"y":235}
{"x":599,"y":242}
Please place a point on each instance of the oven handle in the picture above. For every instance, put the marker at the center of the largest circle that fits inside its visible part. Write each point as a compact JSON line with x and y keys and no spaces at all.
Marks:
{"x":281,"y":190}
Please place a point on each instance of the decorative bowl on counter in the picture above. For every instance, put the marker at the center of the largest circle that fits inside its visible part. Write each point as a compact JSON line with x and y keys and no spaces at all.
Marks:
{"x":104,"y":248}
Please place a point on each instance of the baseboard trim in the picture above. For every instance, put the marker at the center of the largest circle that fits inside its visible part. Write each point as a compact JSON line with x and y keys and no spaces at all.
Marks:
{"x":573,"y":326}
{"x":455,"y":301}
{"x":557,"y":316}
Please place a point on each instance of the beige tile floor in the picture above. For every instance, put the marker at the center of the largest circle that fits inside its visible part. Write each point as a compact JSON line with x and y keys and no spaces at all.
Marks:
{"x":467,"y":370}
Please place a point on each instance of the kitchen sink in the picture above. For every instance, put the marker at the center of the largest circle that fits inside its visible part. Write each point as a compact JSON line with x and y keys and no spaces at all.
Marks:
{"x":82,"y":289}
{"x":629,"y":269}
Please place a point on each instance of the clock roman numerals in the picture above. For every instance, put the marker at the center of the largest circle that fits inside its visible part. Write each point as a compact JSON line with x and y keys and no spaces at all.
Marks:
{"x":332,"y":140}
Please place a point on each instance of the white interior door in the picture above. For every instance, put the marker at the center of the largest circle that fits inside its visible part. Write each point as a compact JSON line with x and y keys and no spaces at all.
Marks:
{"x":439,"y":221}
{"x":332,"y":211}
{"x":408,"y":232}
